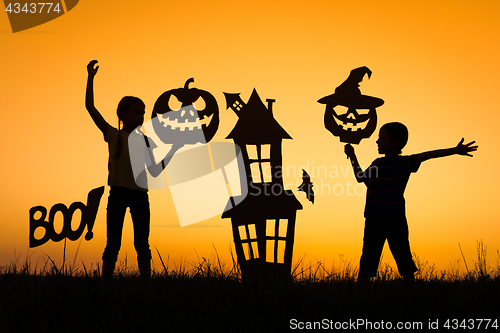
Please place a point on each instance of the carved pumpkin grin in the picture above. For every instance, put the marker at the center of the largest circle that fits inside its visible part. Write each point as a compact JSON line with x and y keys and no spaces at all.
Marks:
{"x":177,"y":123}
{"x":351,"y":126}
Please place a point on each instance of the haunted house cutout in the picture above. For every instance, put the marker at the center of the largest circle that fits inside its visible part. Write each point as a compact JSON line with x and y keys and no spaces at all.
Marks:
{"x":264,"y":222}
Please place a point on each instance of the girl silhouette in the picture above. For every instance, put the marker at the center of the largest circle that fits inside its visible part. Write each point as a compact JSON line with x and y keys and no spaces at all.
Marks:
{"x":124,"y":191}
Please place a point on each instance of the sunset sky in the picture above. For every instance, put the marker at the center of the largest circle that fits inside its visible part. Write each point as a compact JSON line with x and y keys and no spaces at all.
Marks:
{"x":435,"y":64}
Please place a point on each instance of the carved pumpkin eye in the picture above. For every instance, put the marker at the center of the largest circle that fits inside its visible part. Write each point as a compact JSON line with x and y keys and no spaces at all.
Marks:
{"x":340,"y":109}
{"x":200,"y":104}
{"x":363,"y":111}
{"x":173,"y":103}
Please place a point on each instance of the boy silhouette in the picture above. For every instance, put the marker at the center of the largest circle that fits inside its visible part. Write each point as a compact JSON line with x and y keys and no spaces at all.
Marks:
{"x":385,"y":217}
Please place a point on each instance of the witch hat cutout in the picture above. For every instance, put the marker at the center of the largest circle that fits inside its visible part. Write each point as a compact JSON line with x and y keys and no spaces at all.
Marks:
{"x":360,"y":119}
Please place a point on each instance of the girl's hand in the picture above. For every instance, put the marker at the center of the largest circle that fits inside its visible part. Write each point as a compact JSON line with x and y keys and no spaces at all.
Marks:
{"x":90,"y":68}
{"x":177,"y":145}
{"x":465,"y":149}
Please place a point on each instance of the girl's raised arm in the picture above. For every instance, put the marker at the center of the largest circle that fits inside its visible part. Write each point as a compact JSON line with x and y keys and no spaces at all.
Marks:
{"x":89,"y":99}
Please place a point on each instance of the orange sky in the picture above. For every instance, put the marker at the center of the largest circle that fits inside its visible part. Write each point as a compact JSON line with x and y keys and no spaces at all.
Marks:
{"x":434,"y":64}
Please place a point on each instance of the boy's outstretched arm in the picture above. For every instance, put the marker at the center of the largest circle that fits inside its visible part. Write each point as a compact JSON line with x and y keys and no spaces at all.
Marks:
{"x":460,"y":149}
{"x":89,"y":98}
{"x":358,"y":173}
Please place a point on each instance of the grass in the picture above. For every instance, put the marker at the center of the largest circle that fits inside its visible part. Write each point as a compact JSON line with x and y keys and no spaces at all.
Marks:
{"x":208,"y":295}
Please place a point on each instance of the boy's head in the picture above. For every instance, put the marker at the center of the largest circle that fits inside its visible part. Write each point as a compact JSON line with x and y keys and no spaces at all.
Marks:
{"x":398,"y":137}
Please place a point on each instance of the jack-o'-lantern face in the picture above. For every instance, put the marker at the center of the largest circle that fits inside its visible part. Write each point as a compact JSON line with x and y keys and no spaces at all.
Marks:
{"x":185,"y":115}
{"x":350,"y":115}
{"x":350,"y":124}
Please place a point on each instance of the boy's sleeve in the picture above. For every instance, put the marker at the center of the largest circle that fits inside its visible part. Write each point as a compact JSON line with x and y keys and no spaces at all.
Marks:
{"x":370,"y":172}
{"x":413,"y":163}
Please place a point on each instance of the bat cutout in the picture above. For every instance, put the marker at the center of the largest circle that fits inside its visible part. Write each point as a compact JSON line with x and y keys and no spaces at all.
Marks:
{"x":307,"y":186}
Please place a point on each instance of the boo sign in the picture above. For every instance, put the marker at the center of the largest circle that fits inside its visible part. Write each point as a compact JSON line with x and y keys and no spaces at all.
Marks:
{"x":40,"y":220}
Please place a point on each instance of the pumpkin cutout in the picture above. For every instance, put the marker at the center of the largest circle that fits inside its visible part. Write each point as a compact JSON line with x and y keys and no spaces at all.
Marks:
{"x":350,"y":115}
{"x":195,"y":120}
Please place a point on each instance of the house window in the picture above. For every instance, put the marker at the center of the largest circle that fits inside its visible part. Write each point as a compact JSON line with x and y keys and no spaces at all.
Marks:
{"x":265,"y":152}
{"x":255,"y":171}
{"x":252,"y":152}
{"x":276,"y":230}
{"x":275,"y":251}
{"x":248,"y":237}
{"x":237,"y":105}
{"x":259,"y":157}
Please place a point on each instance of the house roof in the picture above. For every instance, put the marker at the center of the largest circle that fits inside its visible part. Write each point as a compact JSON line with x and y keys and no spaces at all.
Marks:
{"x":263,"y":206}
{"x":256,"y":124}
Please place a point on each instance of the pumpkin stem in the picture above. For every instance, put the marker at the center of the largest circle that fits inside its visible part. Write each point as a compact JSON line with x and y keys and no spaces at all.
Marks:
{"x":186,"y":85}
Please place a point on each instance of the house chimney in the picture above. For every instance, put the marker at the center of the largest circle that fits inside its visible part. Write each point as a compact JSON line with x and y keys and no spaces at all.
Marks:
{"x":270,"y":105}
